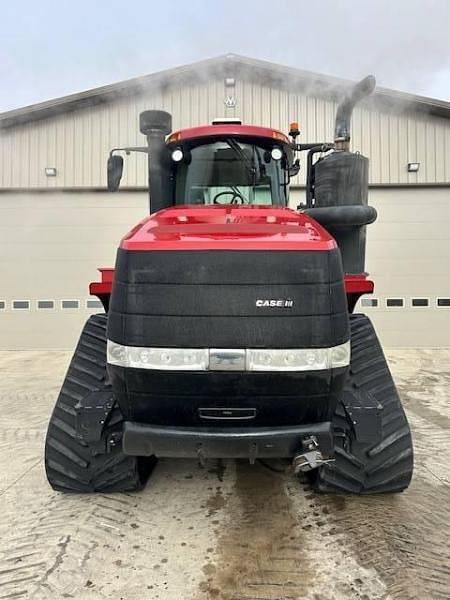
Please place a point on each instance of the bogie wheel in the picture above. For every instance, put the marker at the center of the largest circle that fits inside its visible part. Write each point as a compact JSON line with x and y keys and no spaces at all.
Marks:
{"x":375,"y":467}
{"x":72,"y":464}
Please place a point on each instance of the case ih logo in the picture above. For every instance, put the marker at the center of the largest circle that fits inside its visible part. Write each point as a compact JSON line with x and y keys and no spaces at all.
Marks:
{"x":275,"y":303}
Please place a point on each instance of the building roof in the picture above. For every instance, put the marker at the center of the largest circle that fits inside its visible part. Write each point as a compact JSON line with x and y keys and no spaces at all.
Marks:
{"x":229,"y":65}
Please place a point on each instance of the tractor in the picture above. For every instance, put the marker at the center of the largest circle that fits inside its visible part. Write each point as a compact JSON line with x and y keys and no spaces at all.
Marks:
{"x":229,"y":329}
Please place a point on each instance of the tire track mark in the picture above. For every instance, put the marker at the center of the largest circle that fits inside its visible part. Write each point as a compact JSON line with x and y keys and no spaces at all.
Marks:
{"x":403,"y":537}
{"x":260,"y":553}
{"x":101,"y":546}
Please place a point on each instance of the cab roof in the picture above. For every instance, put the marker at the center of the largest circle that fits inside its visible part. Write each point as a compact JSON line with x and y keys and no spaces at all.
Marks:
{"x":227,"y":130}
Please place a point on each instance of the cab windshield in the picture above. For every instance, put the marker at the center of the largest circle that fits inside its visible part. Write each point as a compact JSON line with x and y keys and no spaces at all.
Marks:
{"x":230,"y":172}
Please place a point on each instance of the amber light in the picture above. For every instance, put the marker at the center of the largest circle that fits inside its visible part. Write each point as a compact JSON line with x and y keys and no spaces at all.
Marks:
{"x":279,"y":136}
{"x":174,"y":137}
{"x":294,"y":129}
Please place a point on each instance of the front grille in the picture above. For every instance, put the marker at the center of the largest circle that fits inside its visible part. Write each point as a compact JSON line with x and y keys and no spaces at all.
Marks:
{"x":216,"y":299}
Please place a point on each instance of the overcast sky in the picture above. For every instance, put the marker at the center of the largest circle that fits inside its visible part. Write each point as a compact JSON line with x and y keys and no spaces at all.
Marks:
{"x":53,"y":48}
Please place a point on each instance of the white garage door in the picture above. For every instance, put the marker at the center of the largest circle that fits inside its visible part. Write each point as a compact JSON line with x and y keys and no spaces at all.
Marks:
{"x":52,"y":243}
{"x":408,"y":255}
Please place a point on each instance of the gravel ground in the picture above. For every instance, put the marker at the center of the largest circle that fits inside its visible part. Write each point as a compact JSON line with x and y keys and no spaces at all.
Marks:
{"x":229,"y":531}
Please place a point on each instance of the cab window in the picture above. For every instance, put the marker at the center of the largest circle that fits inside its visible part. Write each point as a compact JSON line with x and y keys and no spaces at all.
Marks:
{"x":229,"y":172}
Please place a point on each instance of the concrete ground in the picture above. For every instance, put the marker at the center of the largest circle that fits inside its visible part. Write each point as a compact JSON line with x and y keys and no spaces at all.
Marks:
{"x":230,"y":531}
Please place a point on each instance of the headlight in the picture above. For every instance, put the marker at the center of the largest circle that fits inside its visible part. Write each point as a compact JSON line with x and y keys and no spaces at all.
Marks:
{"x":172,"y":359}
{"x":276,"y":153}
{"x":177,"y":155}
{"x":340,"y":356}
{"x":304,"y":359}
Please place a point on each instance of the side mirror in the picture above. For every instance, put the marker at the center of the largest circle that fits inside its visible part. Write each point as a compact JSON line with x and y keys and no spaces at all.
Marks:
{"x":294,"y":168}
{"x":115,"y":170}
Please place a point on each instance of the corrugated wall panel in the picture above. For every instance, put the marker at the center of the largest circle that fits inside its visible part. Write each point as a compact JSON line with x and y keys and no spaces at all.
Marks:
{"x":447,"y":154}
{"x":402,"y":157}
{"x":430,"y":146}
{"x":365,"y":147}
{"x":421,"y":152}
{"x":412,"y":147}
{"x":385,"y":148}
{"x":394,"y":149}
{"x":77,"y":143}
{"x":439,"y":152}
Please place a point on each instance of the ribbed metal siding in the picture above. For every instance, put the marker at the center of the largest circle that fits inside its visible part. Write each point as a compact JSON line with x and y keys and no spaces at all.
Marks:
{"x":77,"y":143}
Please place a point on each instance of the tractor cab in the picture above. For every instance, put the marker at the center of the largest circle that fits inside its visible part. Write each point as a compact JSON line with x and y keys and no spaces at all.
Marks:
{"x":231,"y":164}
{"x":225,"y":163}
{"x":228,"y":163}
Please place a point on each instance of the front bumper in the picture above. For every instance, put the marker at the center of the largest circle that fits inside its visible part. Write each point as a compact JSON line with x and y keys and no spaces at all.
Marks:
{"x":140,"y":439}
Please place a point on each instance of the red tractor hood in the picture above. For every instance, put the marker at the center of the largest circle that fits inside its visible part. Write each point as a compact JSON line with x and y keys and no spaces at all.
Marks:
{"x":228,"y":228}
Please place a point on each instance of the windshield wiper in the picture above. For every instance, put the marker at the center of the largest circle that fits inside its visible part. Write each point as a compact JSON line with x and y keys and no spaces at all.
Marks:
{"x":241,"y":154}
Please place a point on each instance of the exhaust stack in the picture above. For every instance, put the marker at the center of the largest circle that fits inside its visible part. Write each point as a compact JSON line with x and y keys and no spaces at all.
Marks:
{"x":155,"y":125}
{"x":345,"y":109}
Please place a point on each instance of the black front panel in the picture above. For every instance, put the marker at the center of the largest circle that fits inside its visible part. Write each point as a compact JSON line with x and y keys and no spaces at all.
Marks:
{"x":228,"y":267}
{"x":227,"y":332}
{"x":219,"y":299}
{"x":180,"y":398}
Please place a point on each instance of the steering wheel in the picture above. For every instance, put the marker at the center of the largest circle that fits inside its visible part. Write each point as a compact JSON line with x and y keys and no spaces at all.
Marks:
{"x":236,"y":198}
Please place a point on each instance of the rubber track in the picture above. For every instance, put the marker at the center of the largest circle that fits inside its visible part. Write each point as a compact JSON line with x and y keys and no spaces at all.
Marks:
{"x":70,"y":464}
{"x":386,"y":466}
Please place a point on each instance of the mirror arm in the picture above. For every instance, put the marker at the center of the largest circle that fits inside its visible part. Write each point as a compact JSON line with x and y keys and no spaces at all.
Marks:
{"x":302,"y":147}
{"x":129,"y":149}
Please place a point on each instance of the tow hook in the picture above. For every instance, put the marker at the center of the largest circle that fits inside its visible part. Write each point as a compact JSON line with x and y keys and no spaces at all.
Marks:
{"x":310,"y":458}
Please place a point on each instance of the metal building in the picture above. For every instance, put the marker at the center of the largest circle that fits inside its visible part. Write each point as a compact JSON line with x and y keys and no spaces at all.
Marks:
{"x":58,"y":224}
